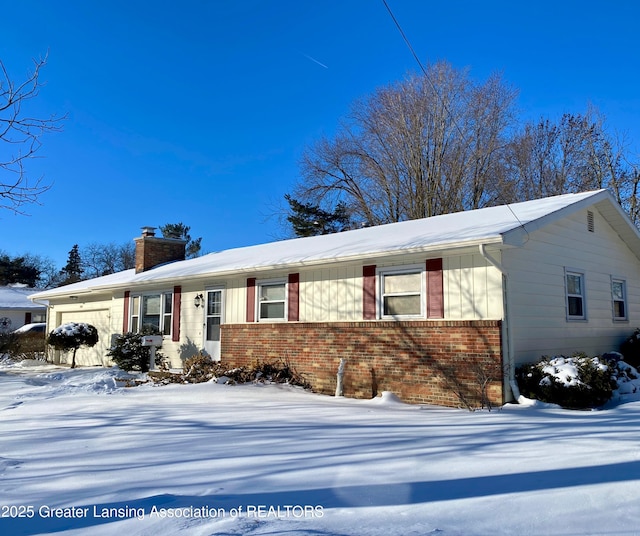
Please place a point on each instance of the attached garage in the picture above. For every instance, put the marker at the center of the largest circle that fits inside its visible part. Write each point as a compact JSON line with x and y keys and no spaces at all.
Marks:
{"x":96,"y":355}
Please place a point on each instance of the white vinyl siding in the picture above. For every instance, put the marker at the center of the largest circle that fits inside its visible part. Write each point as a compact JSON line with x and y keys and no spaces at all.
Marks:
{"x":472,"y":288}
{"x":472,"y":291}
{"x":537,"y":288}
{"x":331,"y":294}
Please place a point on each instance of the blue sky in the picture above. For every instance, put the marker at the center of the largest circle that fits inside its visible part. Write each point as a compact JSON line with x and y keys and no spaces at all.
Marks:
{"x":197,"y":111}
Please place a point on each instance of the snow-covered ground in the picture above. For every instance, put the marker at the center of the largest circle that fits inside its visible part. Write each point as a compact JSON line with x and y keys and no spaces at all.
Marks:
{"x":82,"y":454}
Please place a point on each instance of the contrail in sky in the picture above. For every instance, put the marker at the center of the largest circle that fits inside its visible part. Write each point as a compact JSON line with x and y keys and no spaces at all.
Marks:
{"x":315,"y":61}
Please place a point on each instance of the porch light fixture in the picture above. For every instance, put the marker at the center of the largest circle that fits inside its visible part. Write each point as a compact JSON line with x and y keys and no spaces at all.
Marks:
{"x":198,"y":300}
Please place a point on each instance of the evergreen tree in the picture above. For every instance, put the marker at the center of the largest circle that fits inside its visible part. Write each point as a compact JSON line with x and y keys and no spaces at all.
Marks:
{"x":308,"y":219}
{"x":181,"y":231}
{"x":17,"y":270}
{"x":72,"y":272}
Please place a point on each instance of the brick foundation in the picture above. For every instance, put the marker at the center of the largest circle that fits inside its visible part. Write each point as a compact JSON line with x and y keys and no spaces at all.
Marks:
{"x":420,"y":361}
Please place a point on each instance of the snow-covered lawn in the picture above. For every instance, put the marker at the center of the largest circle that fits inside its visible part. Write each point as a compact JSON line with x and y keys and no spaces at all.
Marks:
{"x":81,"y":454}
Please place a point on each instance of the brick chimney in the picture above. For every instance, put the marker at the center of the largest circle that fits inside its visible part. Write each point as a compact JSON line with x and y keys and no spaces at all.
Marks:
{"x":152,"y":251}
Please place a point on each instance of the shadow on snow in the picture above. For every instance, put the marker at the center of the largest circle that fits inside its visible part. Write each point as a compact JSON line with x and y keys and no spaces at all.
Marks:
{"x":378,"y":495}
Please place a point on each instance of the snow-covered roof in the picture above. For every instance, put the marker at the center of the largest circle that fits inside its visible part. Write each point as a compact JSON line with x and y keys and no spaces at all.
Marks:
{"x":16,"y":296}
{"x":502,"y":225}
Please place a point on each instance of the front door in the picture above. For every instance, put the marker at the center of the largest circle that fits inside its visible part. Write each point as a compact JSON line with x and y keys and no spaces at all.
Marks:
{"x":212,"y":321}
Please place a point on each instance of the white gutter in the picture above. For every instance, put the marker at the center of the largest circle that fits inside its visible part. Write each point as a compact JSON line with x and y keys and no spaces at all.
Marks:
{"x":152,"y":278}
{"x":508,"y":347}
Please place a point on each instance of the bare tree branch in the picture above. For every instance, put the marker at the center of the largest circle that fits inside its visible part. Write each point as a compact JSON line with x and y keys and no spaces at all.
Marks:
{"x":439,"y":142}
{"x":427,"y":145}
{"x":20,"y":137}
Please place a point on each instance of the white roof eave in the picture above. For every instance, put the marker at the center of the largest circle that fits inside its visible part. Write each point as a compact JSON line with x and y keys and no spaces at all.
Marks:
{"x":428,"y":250}
{"x":500,"y":226}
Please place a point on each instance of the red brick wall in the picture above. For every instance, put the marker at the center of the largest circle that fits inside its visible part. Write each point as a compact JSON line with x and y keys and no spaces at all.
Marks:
{"x":420,"y":361}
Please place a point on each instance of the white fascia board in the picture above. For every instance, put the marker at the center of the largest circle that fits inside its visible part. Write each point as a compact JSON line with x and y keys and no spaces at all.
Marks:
{"x":429,"y":251}
{"x":518,"y":235}
{"x":343,"y":259}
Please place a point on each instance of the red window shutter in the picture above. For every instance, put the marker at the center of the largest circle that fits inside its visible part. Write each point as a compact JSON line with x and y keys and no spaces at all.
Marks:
{"x":27,"y":318}
{"x":369,"y":292}
{"x":177,"y":301}
{"x":251,"y":299}
{"x":125,"y":320}
{"x":435,"y":289}
{"x":294,"y":297}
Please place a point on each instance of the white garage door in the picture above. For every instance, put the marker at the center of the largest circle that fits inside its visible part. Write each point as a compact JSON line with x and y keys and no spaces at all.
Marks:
{"x":96,"y":355}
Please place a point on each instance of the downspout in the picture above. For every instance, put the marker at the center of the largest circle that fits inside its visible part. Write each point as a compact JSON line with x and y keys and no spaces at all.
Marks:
{"x":508,"y":347}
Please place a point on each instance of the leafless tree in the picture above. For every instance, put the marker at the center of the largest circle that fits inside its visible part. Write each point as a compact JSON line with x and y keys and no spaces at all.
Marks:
{"x":104,"y":259}
{"x":49,"y":275}
{"x":571,"y":155}
{"x":428,"y":145}
{"x":439,"y":142}
{"x":20,"y":134}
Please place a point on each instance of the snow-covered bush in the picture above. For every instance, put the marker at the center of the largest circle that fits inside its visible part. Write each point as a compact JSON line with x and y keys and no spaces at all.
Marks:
{"x":72,"y":336}
{"x":571,"y":382}
{"x":626,"y":377}
{"x":128,"y":353}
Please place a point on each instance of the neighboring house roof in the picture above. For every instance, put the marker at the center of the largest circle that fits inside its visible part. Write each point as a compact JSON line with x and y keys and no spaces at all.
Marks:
{"x":505,"y":225}
{"x":17,"y":297}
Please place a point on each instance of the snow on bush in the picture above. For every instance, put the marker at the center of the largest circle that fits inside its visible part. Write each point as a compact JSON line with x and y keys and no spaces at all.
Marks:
{"x":128,"y":353}
{"x":72,"y":336}
{"x":577,"y":382}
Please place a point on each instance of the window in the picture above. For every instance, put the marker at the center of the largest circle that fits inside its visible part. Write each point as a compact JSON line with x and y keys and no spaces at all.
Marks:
{"x":135,"y":314}
{"x":401,"y":293}
{"x":152,"y":311}
{"x":37,"y":318}
{"x":214,"y":314}
{"x":575,"y":296}
{"x":619,"y":299}
{"x":272,"y":299}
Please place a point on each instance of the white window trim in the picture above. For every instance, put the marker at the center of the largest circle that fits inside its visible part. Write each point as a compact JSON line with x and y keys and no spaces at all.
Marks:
{"x":138,"y":313}
{"x":583,"y":278}
{"x":267,"y":282}
{"x":393,"y":270}
{"x":223,"y":298}
{"x":625,"y":300}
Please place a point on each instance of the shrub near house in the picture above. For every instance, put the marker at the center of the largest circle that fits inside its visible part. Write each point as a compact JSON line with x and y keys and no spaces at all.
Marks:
{"x":72,"y":336}
{"x":129,"y":354}
{"x":572,"y":382}
{"x":630,"y":349}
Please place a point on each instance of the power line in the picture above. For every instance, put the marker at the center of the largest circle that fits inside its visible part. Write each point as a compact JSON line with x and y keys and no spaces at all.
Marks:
{"x":444,"y":104}
{"x":406,"y":40}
